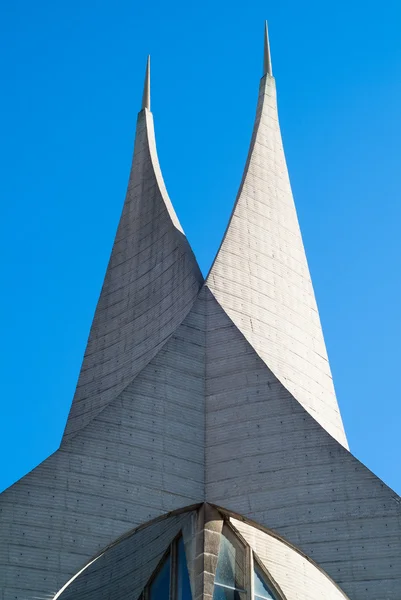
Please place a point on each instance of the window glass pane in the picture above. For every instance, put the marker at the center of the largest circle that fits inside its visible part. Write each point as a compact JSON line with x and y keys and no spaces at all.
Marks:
{"x":229,"y":582}
{"x":225,"y":572}
{"x":260,"y":587}
{"x":183,"y":584}
{"x":231,"y":561}
{"x":160,"y":587}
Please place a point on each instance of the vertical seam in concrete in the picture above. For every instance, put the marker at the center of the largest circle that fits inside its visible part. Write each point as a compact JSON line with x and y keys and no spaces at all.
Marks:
{"x":205,"y":389}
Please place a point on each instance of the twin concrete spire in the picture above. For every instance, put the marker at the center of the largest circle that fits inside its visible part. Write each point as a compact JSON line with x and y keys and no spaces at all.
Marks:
{"x":194,"y":391}
{"x":260,"y":277}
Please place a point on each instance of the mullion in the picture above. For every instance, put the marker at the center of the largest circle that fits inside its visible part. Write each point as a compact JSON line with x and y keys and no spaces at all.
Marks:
{"x":173,"y":570}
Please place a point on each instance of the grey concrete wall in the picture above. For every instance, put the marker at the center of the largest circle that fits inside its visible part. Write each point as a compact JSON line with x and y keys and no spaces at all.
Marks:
{"x":140,"y":458}
{"x":268,"y":460}
{"x":261,"y":278}
{"x":151,"y":282}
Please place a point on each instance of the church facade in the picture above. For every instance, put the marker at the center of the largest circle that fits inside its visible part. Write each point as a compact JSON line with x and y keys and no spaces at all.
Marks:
{"x":204,"y":456}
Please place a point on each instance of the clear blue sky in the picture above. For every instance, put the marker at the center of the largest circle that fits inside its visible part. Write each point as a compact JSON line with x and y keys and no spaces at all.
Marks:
{"x":72,"y":75}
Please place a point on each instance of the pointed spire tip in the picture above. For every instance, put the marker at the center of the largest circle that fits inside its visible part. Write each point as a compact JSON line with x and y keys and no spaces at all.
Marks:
{"x":267,"y":61}
{"x":146,"y":87}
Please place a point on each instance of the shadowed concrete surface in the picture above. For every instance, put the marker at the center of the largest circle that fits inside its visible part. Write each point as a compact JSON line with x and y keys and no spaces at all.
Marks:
{"x":123,"y":570}
{"x":194,"y":392}
{"x":151,"y":282}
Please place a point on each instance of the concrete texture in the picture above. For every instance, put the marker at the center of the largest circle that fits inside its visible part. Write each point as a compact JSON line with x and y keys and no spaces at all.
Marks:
{"x":217,"y":393}
{"x":123,"y":570}
{"x":261,"y":278}
{"x":151,"y":282}
{"x":299,"y":578}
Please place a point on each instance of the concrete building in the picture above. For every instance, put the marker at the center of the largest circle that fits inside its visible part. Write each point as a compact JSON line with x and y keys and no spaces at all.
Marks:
{"x":204,"y":455}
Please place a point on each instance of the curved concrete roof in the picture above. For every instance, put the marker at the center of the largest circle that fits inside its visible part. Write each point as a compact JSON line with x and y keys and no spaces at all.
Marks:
{"x":261,"y":278}
{"x":151,"y":282}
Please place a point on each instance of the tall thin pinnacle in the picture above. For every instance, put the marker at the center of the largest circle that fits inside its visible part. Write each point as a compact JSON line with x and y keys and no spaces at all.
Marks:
{"x":146,"y":87}
{"x":267,"y":60}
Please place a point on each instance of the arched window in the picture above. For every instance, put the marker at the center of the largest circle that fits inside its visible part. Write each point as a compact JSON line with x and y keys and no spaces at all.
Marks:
{"x":238,"y":574}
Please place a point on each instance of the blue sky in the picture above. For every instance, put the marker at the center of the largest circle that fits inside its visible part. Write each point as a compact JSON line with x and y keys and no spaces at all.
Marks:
{"x":72,"y":77}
